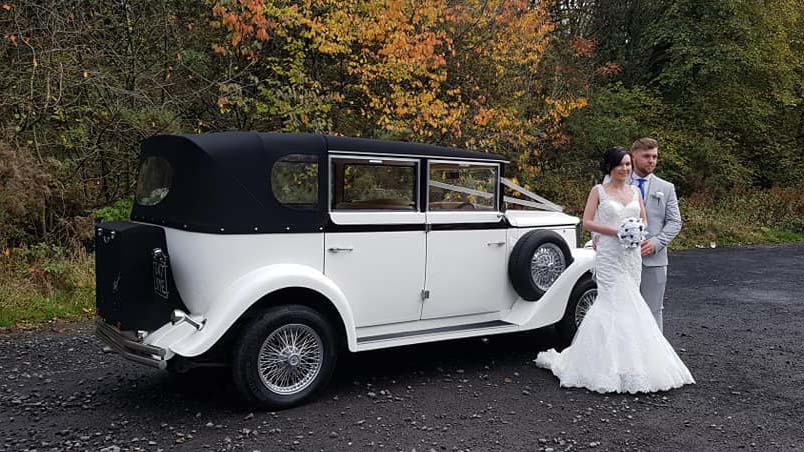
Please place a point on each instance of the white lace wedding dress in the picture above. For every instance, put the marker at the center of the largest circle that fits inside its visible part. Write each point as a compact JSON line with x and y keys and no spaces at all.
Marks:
{"x":618,"y":346}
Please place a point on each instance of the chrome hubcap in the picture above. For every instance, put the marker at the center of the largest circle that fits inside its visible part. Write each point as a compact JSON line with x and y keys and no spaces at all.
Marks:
{"x":584,"y":303}
{"x":547,"y":265}
{"x":290,"y":358}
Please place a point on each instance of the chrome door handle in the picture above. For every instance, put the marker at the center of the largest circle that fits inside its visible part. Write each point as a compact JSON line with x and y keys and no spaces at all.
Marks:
{"x":495,"y":243}
{"x":341,"y":249}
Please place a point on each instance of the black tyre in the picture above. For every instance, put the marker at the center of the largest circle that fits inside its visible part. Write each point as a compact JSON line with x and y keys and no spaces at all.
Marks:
{"x":285,"y":357}
{"x":537,"y":260}
{"x":581,"y":298}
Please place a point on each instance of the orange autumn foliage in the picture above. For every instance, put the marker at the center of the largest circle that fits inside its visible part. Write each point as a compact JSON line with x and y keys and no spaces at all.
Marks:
{"x":459,"y":73}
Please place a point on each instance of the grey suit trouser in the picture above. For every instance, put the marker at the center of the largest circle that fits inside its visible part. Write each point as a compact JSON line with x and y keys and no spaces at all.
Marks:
{"x":654,"y":280}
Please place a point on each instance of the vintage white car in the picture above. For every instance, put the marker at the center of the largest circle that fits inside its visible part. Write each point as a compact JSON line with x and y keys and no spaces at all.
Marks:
{"x":272,"y":253}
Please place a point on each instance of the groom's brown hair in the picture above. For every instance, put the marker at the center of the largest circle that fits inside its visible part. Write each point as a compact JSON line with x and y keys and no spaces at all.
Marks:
{"x":643,"y":144}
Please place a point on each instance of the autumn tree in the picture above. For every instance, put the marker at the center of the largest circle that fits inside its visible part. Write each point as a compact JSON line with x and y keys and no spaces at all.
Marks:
{"x":464,"y":73}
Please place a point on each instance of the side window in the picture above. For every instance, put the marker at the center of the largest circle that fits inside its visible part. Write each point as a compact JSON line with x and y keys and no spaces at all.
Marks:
{"x":373,"y":184}
{"x":462,"y":186}
{"x":294,"y":181}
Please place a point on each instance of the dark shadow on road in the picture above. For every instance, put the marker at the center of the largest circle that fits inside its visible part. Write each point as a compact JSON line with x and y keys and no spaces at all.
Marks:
{"x":423,"y":360}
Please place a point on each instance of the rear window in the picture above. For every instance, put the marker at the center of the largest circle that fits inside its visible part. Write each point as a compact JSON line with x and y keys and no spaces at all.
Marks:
{"x":153,"y":182}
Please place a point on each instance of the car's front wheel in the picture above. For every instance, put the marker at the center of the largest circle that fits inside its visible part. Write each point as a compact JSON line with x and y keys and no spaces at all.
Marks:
{"x":285,"y":357}
{"x":581,"y":299}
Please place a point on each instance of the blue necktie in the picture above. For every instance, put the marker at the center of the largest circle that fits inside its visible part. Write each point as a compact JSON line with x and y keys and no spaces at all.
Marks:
{"x":641,"y":185}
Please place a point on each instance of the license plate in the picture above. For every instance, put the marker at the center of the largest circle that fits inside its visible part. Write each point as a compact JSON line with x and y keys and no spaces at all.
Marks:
{"x":160,"y":276}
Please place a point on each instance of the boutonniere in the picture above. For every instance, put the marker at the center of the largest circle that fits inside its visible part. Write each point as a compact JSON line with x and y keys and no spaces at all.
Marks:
{"x":658,"y":195}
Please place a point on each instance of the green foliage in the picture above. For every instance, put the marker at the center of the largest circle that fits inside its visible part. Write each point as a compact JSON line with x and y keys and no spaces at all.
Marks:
{"x":34,"y":308}
{"x":777,"y":236}
{"x":82,"y":85}
{"x":162,"y":119}
{"x":719,"y":84}
{"x":119,"y":211}
{"x":732,"y":72}
{"x":26,"y":186}
{"x":616,"y":114}
{"x":44,"y":281}
{"x":742,"y":217}
{"x":794,"y":225}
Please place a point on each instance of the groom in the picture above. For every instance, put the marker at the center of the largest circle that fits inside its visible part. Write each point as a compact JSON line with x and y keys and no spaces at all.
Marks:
{"x":664,"y":222}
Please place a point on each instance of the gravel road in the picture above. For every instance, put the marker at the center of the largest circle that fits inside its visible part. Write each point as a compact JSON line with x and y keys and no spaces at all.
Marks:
{"x":735,"y":315}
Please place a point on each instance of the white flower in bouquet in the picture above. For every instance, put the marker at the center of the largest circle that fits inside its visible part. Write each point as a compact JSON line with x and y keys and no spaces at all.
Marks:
{"x":631,"y":233}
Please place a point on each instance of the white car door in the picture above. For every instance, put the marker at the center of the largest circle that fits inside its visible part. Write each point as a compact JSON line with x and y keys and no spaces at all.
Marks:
{"x":375,"y":248}
{"x":466,"y":242}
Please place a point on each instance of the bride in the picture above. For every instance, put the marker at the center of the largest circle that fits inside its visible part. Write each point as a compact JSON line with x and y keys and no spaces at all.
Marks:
{"x":618,"y":346}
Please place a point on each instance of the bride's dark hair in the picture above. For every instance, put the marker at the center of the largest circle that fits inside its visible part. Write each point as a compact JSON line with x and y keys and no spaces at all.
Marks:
{"x":612,"y":158}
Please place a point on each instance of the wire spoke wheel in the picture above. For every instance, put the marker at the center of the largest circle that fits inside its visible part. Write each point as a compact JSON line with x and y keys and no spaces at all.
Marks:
{"x":584,"y":303}
{"x":546,"y":265}
{"x":290,"y":358}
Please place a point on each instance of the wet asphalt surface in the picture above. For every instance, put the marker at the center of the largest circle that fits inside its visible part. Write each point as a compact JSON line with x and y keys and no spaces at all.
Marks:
{"x":735,"y":315}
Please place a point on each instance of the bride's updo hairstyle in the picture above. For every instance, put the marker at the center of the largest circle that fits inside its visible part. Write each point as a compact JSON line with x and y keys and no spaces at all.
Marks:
{"x":612,"y":158}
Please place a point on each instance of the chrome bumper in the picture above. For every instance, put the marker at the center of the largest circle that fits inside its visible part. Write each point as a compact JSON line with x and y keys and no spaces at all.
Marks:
{"x":129,"y":348}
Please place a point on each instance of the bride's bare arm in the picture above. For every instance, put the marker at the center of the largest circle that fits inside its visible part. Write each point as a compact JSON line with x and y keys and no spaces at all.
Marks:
{"x":589,"y":215}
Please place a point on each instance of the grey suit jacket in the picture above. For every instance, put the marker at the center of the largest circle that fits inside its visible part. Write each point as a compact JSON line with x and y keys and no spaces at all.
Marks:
{"x":664,"y":219}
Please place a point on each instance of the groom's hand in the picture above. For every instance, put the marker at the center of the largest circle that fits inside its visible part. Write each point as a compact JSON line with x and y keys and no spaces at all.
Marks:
{"x":648,"y":248}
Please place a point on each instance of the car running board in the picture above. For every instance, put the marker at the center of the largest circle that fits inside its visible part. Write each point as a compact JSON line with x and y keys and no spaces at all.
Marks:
{"x":442,"y":330}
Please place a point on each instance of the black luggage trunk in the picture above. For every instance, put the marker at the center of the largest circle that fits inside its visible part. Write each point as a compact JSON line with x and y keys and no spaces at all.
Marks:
{"x":135,"y":287}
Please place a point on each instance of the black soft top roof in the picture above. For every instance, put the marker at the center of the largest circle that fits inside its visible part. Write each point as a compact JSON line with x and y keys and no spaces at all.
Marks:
{"x":221,"y":180}
{"x":365,"y":145}
{"x":243,"y":144}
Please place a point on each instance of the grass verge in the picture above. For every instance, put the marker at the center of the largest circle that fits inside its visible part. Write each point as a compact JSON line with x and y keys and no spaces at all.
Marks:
{"x":45,"y":282}
{"x":742,"y":218}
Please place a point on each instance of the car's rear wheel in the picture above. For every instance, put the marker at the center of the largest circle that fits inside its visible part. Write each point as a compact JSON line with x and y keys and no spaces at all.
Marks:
{"x":581,"y":299}
{"x":285,"y":357}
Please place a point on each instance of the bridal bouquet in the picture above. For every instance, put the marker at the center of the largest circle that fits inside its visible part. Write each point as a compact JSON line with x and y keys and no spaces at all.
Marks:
{"x":631,"y":233}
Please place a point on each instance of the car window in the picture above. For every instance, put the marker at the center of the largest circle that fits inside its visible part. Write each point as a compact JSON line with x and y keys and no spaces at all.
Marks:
{"x":373,"y":184}
{"x":153,"y":181}
{"x":462,"y":186}
{"x":294,"y":180}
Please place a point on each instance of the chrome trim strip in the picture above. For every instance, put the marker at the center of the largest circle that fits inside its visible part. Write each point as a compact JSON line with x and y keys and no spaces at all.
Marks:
{"x":130,"y":349}
{"x":448,"y":329}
